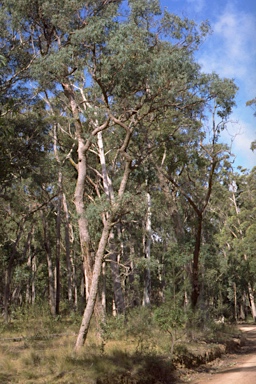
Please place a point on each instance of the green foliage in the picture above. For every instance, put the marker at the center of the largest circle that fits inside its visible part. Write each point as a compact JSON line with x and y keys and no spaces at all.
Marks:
{"x":170,"y":317}
{"x":138,"y":322}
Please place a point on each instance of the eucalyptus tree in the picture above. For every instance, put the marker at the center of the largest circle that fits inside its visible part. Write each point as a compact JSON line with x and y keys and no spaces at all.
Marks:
{"x":193,"y":165}
{"x":236,"y":239}
{"x":24,"y":140}
{"x":135,"y":69}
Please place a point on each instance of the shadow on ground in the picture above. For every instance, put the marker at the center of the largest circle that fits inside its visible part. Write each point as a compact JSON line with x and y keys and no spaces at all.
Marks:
{"x":133,"y":369}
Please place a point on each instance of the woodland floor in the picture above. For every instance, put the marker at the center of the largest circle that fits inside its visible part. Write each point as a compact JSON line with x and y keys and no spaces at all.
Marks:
{"x":38,"y":357}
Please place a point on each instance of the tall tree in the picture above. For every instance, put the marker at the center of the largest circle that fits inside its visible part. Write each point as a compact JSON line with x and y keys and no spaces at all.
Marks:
{"x":192,"y":169}
{"x":237,"y":236}
{"x":118,"y":74}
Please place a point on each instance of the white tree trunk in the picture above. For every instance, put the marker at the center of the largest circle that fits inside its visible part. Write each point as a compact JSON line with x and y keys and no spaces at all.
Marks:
{"x":252,"y":302}
{"x":148,"y":240}
{"x":115,"y":269}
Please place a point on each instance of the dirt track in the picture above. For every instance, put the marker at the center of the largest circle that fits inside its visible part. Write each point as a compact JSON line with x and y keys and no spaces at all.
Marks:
{"x":236,"y":368}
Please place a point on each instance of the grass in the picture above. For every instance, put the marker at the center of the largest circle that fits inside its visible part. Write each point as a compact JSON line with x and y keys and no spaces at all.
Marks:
{"x":36,"y":348}
{"x":30,"y":354}
{"x":55,"y":362}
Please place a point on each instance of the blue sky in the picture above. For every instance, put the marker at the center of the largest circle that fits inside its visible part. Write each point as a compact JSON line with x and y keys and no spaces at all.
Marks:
{"x":229,"y":51}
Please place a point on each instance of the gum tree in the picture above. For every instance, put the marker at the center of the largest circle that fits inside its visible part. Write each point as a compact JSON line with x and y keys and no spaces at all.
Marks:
{"x":191,"y":165}
{"x":135,"y":70}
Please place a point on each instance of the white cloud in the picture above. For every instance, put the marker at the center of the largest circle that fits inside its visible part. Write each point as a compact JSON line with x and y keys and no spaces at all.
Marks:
{"x":232,"y":47}
{"x":239,"y":135}
{"x":231,"y":52}
{"x":237,"y":32}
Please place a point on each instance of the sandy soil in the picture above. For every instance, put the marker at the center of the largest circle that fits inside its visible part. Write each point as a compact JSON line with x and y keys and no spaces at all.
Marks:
{"x":237,"y":368}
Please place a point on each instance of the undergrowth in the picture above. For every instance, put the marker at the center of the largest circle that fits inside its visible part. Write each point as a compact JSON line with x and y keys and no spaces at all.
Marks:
{"x":138,"y":348}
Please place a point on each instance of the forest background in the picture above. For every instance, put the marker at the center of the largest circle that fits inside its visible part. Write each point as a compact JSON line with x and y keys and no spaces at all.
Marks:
{"x":117,"y":191}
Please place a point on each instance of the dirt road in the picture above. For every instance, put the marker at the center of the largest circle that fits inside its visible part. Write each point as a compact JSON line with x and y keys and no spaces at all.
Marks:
{"x":234,"y":369}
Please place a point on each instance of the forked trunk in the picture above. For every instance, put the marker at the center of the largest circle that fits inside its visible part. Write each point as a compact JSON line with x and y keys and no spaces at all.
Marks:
{"x":94,"y":286}
{"x":108,"y":223}
{"x":81,"y":167}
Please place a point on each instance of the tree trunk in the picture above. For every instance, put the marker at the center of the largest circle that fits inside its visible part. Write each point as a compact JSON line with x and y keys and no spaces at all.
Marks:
{"x":104,"y":288}
{"x":31,"y":287}
{"x":7,"y":290}
{"x":9,"y":271}
{"x":115,"y":272}
{"x":115,"y":269}
{"x":242,"y":312}
{"x":58,"y":243}
{"x":235,"y":302}
{"x":252,"y":302}
{"x":195,"y":266}
{"x":94,"y":286}
{"x":33,"y":280}
{"x":147,"y":250}
{"x":69,"y":257}
{"x":51,"y":280}
{"x":83,"y":227}
{"x":92,"y":267}
{"x":251,"y":297}
{"x":29,"y":256}
{"x":108,"y":223}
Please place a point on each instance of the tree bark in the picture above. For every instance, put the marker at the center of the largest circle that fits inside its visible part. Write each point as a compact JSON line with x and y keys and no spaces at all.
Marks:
{"x":30,"y":287}
{"x":94,"y":286}
{"x":83,"y":226}
{"x":104,"y":289}
{"x":51,"y":282}
{"x":115,"y":269}
{"x":252,"y":302}
{"x":235,"y":302}
{"x":33,"y":283}
{"x":58,"y":243}
{"x":115,"y":272}
{"x":71,"y":273}
{"x":147,"y":250}
{"x":107,"y":226}
{"x":195,"y":266}
{"x":9,"y":271}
